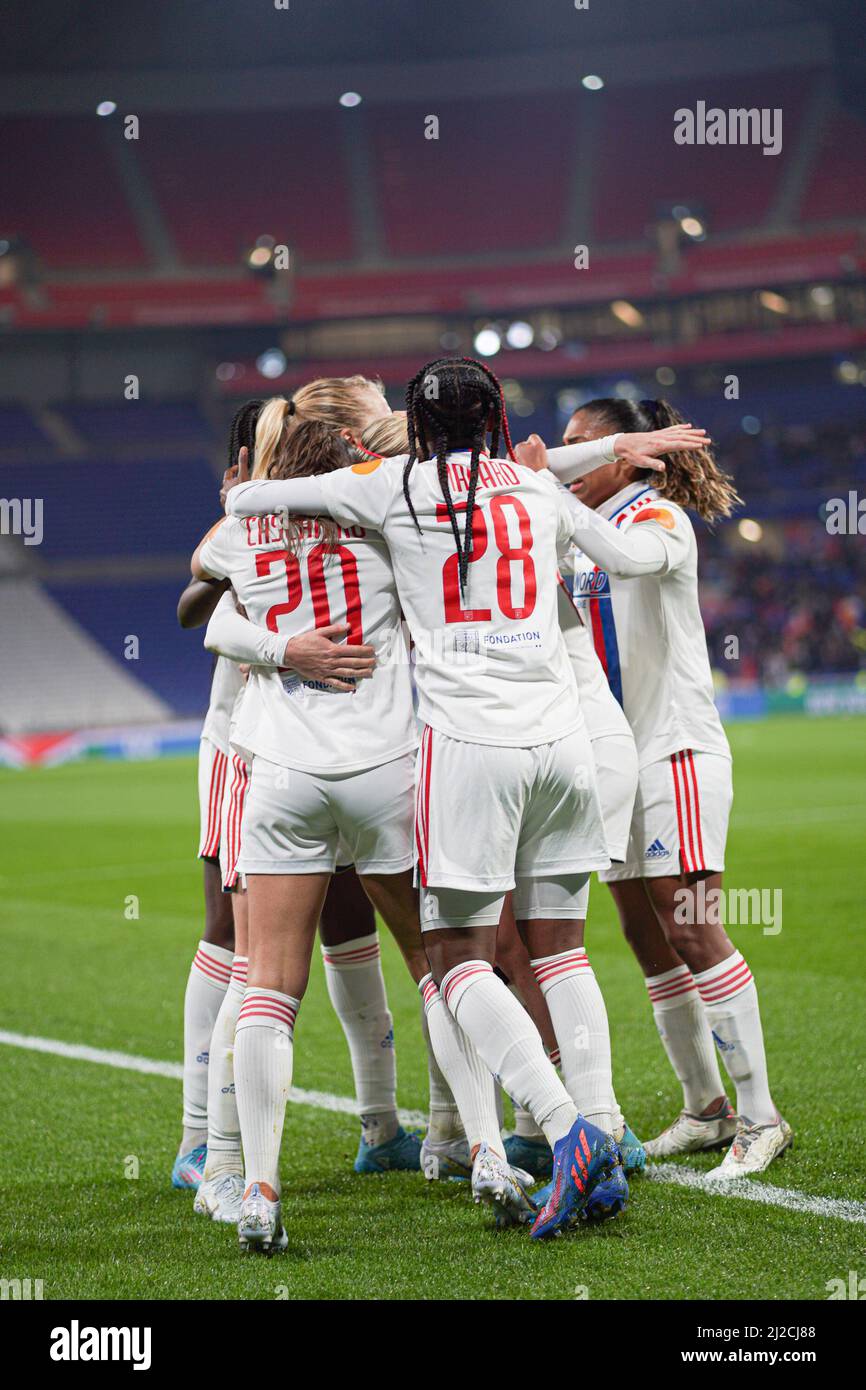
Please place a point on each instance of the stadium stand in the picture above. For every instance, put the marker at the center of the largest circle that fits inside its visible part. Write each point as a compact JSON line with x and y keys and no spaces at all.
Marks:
{"x":55,"y":676}
{"x":186,"y":157}
{"x":59,"y":191}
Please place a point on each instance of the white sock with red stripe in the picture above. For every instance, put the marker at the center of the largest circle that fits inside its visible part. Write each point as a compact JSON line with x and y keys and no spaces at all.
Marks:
{"x":524,"y":1125}
{"x":223,"y":1127}
{"x":356,"y":988}
{"x":685,"y":1032}
{"x":467,"y":1100}
{"x":263,"y":1078}
{"x":731,"y":1003}
{"x":509,"y":1043}
{"x":207,"y":983}
{"x":573,"y":996}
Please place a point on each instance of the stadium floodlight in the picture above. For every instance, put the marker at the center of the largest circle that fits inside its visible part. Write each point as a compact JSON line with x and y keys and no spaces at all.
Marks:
{"x":350,"y":99}
{"x":487,"y":342}
{"x":822,"y":295}
{"x":592,"y":82}
{"x":627,"y":313}
{"x":776,"y":303}
{"x":271,"y":363}
{"x":750,"y":530}
{"x":106,"y":108}
{"x":549,"y":338}
{"x":520,"y":334}
{"x":693,"y":227}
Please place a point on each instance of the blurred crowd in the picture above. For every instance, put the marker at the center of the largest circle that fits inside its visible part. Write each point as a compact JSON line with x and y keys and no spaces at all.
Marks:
{"x":790,"y":592}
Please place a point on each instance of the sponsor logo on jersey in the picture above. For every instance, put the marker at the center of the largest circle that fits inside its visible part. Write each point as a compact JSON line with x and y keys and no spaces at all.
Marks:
{"x":591,"y":583}
{"x":657,"y":851}
{"x":505,"y":639}
{"x":664,"y":518}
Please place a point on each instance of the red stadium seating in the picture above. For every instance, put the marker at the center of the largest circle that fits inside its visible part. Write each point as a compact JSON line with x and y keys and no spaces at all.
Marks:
{"x":223,"y":179}
{"x":59,"y":191}
{"x":502,"y":196}
{"x":837,"y":188}
{"x":639,"y":166}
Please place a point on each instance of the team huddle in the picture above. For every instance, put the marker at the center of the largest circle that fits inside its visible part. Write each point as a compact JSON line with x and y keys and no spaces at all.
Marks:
{"x":449,"y":687}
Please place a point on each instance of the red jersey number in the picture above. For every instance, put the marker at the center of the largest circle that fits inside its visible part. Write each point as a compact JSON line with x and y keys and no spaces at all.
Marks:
{"x":318,"y":589}
{"x":509,"y":555}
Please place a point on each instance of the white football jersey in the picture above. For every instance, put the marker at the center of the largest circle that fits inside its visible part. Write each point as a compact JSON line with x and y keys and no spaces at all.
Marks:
{"x":226,"y":684}
{"x":490,"y":664}
{"x":601,"y":710}
{"x":649,"y":634}
{"x":305,"y":724}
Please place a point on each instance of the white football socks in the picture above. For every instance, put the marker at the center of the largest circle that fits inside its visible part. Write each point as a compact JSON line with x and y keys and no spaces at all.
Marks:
{"x":468,"y":1101}
{"x":731,"y":1002}
{"x":573,"y":996}
{"x":207,"y":983}
{"x":224,"y":1153}
{"x":684,"y":1029}
{"x":263,"y":1076}
{"x":356,"y":988}
{"x":509,"y":1043}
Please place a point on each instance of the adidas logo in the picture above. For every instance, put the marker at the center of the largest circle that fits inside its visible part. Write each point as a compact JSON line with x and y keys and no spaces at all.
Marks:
{"x":657,"y":851}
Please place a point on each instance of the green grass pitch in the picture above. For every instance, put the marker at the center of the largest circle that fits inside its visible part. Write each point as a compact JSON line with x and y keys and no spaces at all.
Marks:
{"x":78,"y":840}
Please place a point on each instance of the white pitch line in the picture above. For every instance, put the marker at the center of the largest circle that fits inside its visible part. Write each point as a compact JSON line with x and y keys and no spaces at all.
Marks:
{"x":127,"y":1061}
{"x":840,"y":1209}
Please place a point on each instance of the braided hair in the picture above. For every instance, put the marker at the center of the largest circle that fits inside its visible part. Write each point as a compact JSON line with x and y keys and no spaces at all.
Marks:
{"x":453,"y":403}
{"x":242,"y":434}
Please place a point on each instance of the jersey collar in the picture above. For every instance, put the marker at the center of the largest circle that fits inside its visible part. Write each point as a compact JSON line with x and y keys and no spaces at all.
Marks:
{"x":623,"y":499}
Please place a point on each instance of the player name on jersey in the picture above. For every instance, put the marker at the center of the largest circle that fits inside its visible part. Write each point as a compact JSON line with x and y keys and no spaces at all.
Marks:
{"x":270,"y":530}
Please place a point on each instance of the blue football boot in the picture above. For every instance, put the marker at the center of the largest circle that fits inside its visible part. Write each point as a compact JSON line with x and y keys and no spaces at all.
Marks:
{"x":188,"y":1169}
{"x":633,"y":1152}
{"x":608,"y":1198}
{"x":581,"y":1159}
{"x":400,"y":1153}
{"x":532,"y":1155}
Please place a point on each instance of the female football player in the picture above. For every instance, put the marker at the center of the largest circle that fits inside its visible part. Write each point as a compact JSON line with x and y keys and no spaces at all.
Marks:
{"x":641,"y":595}
{"x":323,"y":777}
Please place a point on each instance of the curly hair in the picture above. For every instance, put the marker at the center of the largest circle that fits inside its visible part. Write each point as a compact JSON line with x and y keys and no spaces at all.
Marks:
{"x":692,"y":478}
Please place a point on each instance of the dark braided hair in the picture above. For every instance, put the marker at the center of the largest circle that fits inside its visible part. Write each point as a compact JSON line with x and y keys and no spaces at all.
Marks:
{"x":243,"y":431}
{"x":452,"y":403}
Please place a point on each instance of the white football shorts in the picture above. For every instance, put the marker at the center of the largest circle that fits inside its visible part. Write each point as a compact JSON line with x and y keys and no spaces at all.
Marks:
{"x":616,"y":772}
{"x":234,"y":799}
{"x":488,"y":815}
{"x":680,"y":821}
{"x":305,"y":823}
{"x":213,"y":767}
